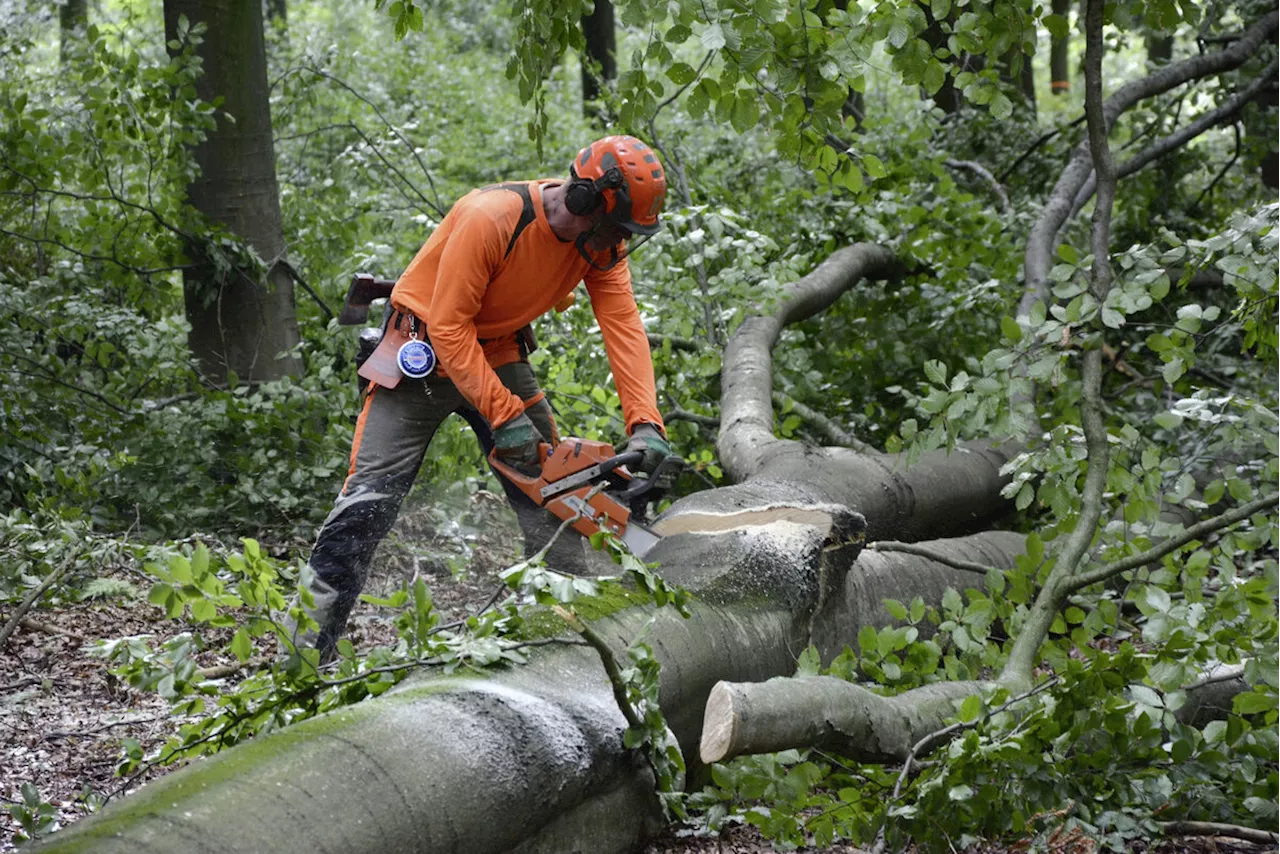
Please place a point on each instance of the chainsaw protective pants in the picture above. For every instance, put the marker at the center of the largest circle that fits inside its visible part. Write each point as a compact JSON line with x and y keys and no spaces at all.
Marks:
{"x":392,"y":434}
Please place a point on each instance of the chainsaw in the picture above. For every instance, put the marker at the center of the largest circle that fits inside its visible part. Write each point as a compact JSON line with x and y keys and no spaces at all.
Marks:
{"x":589,"y":485}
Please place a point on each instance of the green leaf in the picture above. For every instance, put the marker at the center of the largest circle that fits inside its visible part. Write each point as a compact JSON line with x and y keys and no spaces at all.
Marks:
{"x":899,"y":32}
{"x":1010,"y":329}
{"x":681,"y":73}
{"x":960,"y":793}
{"x":936,"y":372}
{"x":202,"y":610}
{"x":1156,"y":599}
{"x":713,"y":37}
{"x":1253,"y":702}
{"x":241,"y":647}
{"x":159,"y":594}
{"x":1146,"y":696}
{"x":1001,"y":107}
{"x":971,"y":708}
{"x":809,"y":663}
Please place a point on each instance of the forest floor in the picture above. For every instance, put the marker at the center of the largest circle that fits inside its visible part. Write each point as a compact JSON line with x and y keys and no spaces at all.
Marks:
{"x":64,"y":719}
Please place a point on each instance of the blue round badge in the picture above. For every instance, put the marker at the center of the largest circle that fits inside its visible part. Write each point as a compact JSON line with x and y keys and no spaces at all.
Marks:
{"x":416,"y":359}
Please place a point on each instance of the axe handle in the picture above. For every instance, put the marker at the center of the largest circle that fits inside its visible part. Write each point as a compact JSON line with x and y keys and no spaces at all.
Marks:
{"x":364,"y":290}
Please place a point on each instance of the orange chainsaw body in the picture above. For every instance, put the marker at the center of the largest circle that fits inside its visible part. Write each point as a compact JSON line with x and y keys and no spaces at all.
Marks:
{"x":569,"y":485}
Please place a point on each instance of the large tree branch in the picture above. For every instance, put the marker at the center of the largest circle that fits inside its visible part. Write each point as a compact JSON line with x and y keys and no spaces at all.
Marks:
{"x":1180,"y":137}
{"x":1042,"y":240}
{"x":1172,"y":544}
{"x":827,"y":713}
{"x":746,"y":411}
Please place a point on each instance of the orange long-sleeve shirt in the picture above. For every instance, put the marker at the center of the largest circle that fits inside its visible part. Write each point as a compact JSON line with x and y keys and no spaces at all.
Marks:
{"x":492,"y":266}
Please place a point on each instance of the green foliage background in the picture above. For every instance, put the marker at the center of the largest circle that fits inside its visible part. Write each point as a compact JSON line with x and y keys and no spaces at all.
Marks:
{"x":384,"y":113}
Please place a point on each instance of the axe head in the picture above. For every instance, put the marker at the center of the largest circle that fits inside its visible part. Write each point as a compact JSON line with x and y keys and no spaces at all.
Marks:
{"x":363,"y":291}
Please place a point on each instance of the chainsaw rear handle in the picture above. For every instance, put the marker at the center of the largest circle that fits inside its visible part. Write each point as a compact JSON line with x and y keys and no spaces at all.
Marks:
{"x":626,"y":459}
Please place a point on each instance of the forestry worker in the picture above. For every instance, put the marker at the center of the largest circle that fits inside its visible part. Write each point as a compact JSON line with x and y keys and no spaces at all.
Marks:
{"x":503,"y":256}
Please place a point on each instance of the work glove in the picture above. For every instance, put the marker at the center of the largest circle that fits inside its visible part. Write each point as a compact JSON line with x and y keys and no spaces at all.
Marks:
{"x":516,"y":444}
{"x":649,"y":439}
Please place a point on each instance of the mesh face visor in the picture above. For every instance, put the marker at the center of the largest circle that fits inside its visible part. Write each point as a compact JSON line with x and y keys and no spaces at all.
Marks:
{"x":608,"y":243}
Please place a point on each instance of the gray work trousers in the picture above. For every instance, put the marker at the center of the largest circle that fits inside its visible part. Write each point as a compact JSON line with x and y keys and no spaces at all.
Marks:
{"x":391,"y":439}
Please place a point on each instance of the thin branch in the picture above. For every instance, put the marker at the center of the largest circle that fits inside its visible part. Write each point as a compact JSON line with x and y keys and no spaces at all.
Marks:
{"x":297,"y":278}
{"x":433,"y":661}
{"x":678,"y":414}
{"x":686,"y":344}
{"x":1003,"y":176}
{"x":1222,"y":173}
{"x":33,"y":597}
{"x":1172,"y":544}
{"x":412,"y":149}
{"x":102,"y":728}
{"x":931,"y":554}
{"x":1098,"y":453}
{"x":830,"y":430}
{"x":90,"y":256}
{"x":706,"y":60}
{"x":1213,"y":828}
{"x":607,"y":658}
{"x":987,"y":178}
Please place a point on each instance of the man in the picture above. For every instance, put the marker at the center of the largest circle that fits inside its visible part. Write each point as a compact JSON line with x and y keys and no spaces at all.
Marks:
{"x":503,"y":256}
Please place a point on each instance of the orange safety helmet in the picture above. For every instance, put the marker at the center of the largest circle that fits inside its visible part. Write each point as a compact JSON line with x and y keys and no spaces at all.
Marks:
{"x":624,"y":174}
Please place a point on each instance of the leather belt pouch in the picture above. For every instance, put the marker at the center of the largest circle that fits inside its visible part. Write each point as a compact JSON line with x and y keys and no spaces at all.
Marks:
{"x":381,"y":366}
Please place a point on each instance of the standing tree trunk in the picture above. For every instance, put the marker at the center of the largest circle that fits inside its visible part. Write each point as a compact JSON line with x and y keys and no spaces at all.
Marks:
{"x":73,"y":20}
{"x":241,"y":319}
{"x":599,"y":63}
{"x":1059,"y":64}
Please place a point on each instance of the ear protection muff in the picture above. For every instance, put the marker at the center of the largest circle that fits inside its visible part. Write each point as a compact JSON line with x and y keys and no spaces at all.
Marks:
{"x":584,"y":195}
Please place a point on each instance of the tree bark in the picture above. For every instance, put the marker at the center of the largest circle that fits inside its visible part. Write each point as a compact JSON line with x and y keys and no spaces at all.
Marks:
{"x":1059,"y":53}
{"x":599,"y":62}
{"x":241,"y":322}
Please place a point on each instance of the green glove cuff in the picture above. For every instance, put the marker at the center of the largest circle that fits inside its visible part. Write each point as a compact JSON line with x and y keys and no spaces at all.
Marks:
{"x":516,"y":433}
{"x":653,"y":440}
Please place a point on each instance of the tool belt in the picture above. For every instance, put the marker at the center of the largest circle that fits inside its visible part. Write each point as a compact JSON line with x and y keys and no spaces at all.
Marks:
{"x":376,"y":355}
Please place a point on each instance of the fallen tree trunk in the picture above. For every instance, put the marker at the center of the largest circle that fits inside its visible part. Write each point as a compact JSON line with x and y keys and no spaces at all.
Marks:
{"x":527,"y":758}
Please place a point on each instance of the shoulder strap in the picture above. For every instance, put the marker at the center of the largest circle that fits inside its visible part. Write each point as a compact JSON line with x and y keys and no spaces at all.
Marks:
{"x":527,"y":214}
